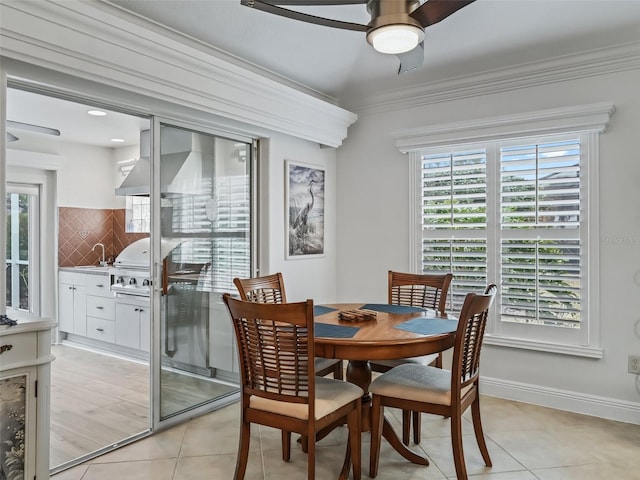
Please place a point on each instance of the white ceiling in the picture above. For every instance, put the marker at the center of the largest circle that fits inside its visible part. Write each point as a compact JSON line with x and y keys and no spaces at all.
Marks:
{"x":485,"y":35}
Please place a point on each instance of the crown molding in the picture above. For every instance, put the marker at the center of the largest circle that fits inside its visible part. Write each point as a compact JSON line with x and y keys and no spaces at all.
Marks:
{"x":564,"y":68}
{"x":579,"y":118}
{"x":93,"y":41}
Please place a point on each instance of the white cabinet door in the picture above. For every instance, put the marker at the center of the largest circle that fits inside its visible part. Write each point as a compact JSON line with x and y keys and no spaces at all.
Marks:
{"x":80,"y":310}
{"x":18,"y":410}
{"x":65,"y":312}
{"x":128,"y":325}
{"x":145,"y":329}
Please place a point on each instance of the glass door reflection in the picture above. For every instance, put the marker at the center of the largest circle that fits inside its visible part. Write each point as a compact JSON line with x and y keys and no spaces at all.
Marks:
{"x":205,"y":227}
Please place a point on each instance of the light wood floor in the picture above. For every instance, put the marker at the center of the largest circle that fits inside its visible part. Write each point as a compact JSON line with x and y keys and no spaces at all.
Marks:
{"x":98,"y":400}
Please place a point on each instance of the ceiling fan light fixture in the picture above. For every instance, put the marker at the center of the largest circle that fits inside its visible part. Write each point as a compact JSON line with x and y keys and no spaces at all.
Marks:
{"x":394,"y":39}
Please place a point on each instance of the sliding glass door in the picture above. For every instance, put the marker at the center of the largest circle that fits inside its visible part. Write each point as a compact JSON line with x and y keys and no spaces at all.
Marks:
{"x":203,"y":198}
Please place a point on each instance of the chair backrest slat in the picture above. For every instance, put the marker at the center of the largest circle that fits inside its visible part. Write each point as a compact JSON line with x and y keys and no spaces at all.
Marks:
{"x":420,"y":290}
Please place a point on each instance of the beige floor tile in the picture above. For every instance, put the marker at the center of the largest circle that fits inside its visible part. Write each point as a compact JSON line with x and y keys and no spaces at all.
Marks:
{"x":144,"y":470}
{"x":328,"y":464}
{"x":519,"y":475}
{"x":394,"y":467}
{"x":74,"y":473}
{"x":595,"y":471}
{"x":216,"y":467}
{"x":164,"y":444}
{"x":440,"y":452}
{"x":545,"y":448}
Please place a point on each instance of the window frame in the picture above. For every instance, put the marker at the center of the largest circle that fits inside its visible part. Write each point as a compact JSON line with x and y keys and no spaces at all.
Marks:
{"x":583,"y":122}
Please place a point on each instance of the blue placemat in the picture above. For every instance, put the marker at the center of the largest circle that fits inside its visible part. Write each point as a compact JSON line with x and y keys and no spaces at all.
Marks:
{"x":429,"y":326}
{"x":321,"y":310}
{"x":334,"y":331}
{"x":387,"y":308}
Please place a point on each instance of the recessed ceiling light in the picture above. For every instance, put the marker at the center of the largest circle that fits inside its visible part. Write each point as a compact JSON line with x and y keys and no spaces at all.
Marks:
{"x":97,"y":113}
{"x":117,"y":140}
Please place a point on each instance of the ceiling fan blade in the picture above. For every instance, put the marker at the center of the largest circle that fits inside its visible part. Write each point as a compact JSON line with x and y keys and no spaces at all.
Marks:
{"x":411,"y":60}
{"x":433,"y":11}
{"x":33,"y":128}
{"x":11,"y":137}
{"x":318,"y":3}
{"x":270,"y":7}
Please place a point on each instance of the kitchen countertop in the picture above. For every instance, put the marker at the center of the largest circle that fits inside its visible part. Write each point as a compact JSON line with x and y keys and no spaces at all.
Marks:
{"x":94,"y":269}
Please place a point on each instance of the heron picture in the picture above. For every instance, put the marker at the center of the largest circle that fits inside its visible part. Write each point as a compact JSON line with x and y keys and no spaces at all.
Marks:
{"x":305,"y":204}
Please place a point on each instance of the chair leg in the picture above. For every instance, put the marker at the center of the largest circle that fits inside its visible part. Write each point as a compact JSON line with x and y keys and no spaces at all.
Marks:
{"x":311,"y":457}
{"x":417,"y":427}
{"x":286,"y":445}
{"x":477,"y":428}
{"x":456,"y":443}
{"x":406,"y":426}
{"x":377,"y":417}
{"x":243,"y":450}
{"x":337,"y":372}
{"x":355,"y":441}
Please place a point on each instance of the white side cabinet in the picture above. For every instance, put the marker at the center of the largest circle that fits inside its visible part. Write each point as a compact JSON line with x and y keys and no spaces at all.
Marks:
{"x":133,"y":323}
{"x":73,"y":303}
{"x":25,"y":382}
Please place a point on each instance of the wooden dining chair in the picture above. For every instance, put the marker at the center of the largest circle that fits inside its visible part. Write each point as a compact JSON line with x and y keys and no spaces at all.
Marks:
{"x":427,"y":389}
{"x":279,"y":387}
{"x":416,"y":290}
{"x":270,"y":289}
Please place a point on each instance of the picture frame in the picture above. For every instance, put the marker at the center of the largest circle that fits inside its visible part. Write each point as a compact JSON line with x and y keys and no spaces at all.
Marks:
{"x":304,"y":204}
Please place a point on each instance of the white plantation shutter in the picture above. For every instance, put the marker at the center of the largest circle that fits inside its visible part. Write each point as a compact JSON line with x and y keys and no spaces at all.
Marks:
{"x":509,"y":213}
{"x":454,"y":220}
{"x":540,"y":241}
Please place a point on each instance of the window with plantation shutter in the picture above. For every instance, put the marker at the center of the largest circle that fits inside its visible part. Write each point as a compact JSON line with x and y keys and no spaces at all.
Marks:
{"x":540,"y":248}
{"x":513,"y":213}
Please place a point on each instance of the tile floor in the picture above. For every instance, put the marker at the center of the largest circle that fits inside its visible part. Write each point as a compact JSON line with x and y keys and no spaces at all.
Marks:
{"x":526,"y":442}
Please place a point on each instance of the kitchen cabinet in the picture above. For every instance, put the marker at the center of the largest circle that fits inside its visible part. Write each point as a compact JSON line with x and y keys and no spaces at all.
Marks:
{"x":25,"y":382}
{"x":133,"y":323}
{"x":100,"y":308}
{"x":72,"y":313}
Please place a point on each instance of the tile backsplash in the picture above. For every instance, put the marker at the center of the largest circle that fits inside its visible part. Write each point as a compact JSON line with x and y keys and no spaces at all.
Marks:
{"x":81,"y":228}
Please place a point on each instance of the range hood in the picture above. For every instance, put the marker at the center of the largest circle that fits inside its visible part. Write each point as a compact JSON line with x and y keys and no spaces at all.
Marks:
{"x":181,"y":165}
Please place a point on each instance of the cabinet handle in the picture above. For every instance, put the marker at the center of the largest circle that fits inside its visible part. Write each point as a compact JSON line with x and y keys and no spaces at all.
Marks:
{"x":100,"y":308}
{"x":100,"y":329}
{"x":136,"y":310}
{"x":141,"y":310}
{"x":72,"y":288}
{"x":100,"y":286}
{"x":5,"y":348}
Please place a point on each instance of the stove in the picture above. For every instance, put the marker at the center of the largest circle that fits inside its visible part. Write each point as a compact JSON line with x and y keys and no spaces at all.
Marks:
{"x":129,"y":281}
{"x":130,"y":274}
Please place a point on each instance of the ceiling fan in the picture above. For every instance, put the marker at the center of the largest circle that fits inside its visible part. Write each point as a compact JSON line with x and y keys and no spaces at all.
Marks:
{"x":30,"y":128}
{"x":396,"y":26}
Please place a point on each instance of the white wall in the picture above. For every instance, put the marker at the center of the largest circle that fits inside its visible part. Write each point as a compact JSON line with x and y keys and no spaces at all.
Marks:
{"x":85,"y":173}
{"x":373,"y":228}
{"x":304,"y":278}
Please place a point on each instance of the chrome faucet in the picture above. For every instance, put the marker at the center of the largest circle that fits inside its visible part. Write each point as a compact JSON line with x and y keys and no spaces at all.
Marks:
{"x":103,"y":263}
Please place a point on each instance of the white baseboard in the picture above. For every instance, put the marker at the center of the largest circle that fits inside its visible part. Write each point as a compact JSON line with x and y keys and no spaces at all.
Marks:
{"x":610,"y":408}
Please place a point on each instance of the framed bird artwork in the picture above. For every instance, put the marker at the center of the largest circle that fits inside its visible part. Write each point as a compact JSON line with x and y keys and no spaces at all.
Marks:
{"x":304,"y":185}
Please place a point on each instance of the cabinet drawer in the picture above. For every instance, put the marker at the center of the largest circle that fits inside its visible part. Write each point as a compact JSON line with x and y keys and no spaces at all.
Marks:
{"x":101,"y":307}
{"x":99,"y":285}
{"x":101,"y":329}
{"x":18,"y":348}
{"x":74,"y":278}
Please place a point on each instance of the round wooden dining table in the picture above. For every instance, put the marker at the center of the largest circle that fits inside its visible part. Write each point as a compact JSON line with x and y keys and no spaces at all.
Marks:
{"x":388,"y":336}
